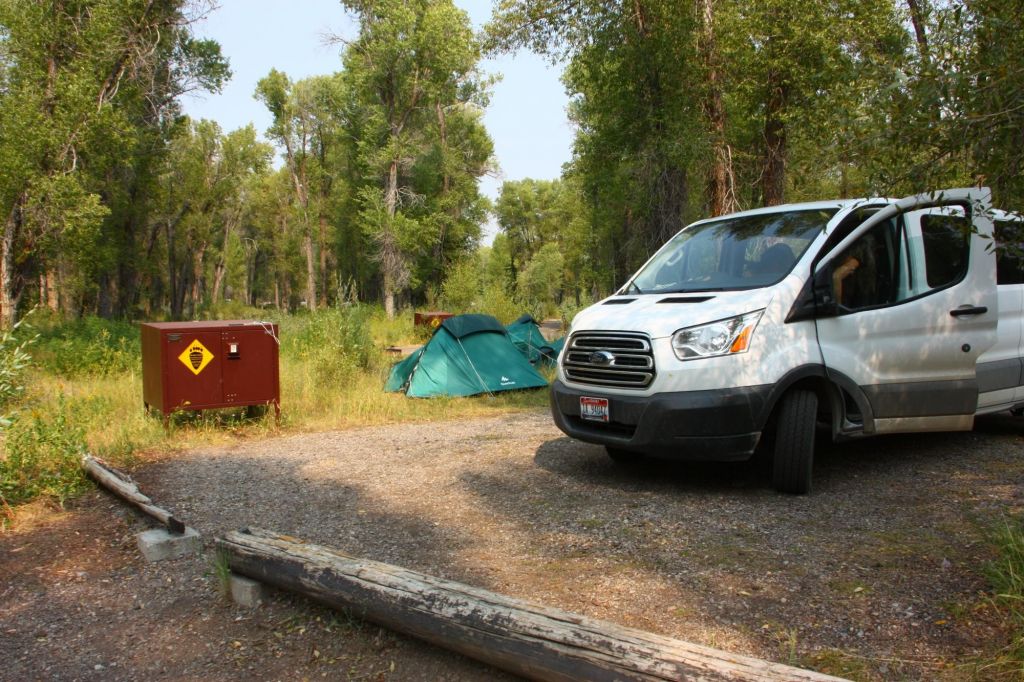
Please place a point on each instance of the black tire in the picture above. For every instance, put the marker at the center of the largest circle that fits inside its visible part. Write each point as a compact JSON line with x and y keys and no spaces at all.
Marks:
{"x":624,"y":457}
{"x":794,"y":442}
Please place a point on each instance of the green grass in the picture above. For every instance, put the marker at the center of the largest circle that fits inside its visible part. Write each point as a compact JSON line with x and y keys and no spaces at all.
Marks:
{"x":1006,"y":575}
{"x":83,"y":392}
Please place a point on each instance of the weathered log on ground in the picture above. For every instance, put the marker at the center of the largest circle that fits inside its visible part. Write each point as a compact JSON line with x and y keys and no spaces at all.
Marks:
{"x":124,"y":487}
{"x":527,"y":639}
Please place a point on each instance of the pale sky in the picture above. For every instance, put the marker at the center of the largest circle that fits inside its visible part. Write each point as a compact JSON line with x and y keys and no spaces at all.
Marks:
{"x":526,"y":119}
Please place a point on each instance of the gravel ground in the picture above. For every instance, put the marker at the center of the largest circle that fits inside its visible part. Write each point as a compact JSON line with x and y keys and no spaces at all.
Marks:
{"x":876,"y":575}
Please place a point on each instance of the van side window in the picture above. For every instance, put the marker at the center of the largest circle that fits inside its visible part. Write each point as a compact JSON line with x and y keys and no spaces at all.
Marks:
{"x":867,"y":274}
{"x":1009,"y":256}
{"x":946,"y":241}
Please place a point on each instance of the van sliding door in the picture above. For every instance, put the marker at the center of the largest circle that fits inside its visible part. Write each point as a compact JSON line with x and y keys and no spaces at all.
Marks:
{"x":915,"y":295}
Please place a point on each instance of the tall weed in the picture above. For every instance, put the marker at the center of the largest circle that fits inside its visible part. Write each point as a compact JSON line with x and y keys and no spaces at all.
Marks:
{"x":336,"y":344}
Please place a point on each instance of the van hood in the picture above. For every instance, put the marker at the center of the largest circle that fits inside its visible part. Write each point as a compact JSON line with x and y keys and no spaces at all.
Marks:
{"x":661,"y":315}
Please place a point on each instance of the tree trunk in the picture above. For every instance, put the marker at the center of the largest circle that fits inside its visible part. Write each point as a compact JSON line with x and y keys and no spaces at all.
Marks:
{"x":773,"y":171}
{"x":721,"y":195}
{"x":389,"y":257}
{"x":323,"y":259}
{"x":8,"y":281}
{"x":446,"y":182}
{"x":671,"y":191}
{"x":919,"y":18}
{"x":221,"y":268}
{"x":106,"y":295}
{"x":197,"y":279}
{"x":50,"y":282}
{"x":307,"y":248}
{"x":172,"y":270}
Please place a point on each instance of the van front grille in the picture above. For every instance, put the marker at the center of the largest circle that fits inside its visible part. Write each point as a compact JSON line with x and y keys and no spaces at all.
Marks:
{"x":619,"y":359}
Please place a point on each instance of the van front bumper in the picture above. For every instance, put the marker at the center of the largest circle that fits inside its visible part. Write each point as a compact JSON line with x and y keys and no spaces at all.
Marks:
{"x":714,"y":425}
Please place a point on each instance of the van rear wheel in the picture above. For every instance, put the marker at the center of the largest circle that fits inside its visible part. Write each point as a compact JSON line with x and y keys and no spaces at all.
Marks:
{"x":794,"y":442}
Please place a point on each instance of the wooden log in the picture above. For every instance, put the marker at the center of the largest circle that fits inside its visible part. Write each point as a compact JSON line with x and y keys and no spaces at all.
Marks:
{"x":534,"y":641}
{"x":124,"y":487}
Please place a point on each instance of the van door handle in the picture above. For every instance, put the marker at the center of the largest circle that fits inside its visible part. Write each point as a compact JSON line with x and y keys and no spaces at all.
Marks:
{"x":965,"y":310}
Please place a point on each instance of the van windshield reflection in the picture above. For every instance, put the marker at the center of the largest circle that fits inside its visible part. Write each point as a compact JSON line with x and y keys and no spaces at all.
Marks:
{"x":745,"y":252}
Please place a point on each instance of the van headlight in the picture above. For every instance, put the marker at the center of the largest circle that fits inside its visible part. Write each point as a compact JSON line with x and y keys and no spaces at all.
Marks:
{"x":724,"y":337}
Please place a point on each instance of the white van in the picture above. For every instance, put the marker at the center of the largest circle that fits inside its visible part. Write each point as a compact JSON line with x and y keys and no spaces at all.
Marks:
{"x":874,"y":316}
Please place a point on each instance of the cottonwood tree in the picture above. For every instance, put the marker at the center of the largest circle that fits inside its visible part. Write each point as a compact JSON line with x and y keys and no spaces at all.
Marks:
{"x":305,"y":126}
{"x":65,"y":68}
{"x":413,"y":71}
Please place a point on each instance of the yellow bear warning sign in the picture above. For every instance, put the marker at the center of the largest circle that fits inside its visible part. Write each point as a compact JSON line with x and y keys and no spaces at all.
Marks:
{"x":195,"y":357}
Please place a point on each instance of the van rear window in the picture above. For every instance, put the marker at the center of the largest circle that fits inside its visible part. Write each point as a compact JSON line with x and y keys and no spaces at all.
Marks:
{"x":946,"y":248}
{"x":1010,"y":252}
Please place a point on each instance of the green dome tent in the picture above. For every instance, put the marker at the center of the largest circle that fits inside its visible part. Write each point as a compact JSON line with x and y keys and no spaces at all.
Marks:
{"x":467,"y":355}
{"x":525,"y":335}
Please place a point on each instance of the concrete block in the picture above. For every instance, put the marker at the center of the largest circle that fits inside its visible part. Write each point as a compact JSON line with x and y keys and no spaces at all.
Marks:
{"x":159,"y":544}
{"x":247,"y":592}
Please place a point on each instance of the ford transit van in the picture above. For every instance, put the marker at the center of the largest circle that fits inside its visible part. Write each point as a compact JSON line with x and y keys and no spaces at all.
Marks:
{"x":872,"y":316}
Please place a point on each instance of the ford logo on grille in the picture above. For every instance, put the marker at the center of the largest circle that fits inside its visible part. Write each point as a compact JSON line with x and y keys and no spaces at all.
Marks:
{"x":601,"y":357}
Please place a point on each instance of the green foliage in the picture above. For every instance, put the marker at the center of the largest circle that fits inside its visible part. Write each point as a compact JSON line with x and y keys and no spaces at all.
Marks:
{"x":89,"y":347}
{"x":43,"y":451}
{"x":540,"y":282}
{"x":14,"y":360}
{"x":461,"y":289}
{"x":496,"y":301}
{"x":469,"y":288}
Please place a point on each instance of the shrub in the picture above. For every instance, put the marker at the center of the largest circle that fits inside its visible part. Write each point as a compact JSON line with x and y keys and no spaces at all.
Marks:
{"x":89,"y":347}
{"x":497,"y":302}
{"x":14,"y":360}
{"x":43,"y":457}
{"x":460,"y":291}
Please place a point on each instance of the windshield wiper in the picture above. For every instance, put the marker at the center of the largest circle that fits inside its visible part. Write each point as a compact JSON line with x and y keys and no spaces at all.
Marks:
{"x":697,"y":291}
{"x":631,"y":284}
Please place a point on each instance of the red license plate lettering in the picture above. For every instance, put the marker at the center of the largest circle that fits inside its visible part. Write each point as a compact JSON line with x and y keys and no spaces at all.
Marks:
{"x":594,"y":409}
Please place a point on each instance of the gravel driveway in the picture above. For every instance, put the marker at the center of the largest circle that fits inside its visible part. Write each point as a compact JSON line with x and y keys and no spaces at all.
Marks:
{"x":876,"y":575}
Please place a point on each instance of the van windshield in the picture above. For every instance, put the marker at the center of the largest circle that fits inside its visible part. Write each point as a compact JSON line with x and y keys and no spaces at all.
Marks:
{"x":746,"y":252}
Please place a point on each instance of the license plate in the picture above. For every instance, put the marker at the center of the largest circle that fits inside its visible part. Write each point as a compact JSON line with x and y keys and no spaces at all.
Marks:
{"x":594,"y":409}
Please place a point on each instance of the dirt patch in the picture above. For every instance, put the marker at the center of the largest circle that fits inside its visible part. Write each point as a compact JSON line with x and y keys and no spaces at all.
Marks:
{"x":877,"y":575}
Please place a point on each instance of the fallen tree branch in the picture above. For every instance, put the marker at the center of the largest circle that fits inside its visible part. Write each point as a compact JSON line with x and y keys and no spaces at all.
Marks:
{"x":534,"y":641}
{"x":124,"y":487}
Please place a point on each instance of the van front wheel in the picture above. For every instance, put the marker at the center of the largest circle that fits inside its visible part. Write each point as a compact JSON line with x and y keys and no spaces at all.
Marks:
{"x":794,"y":442}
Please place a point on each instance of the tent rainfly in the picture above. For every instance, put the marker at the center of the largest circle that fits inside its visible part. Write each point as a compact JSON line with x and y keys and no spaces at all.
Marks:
{"x":467,"y":355}
{"x":525,"y":334}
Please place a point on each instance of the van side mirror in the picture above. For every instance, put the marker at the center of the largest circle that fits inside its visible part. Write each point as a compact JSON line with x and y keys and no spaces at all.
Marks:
{"x":816,"y":299}
{"x":825,"y":304}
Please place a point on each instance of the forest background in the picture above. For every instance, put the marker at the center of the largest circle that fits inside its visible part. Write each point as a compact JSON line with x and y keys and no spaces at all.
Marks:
{"x":115,"y":204}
